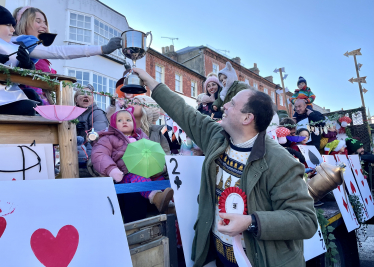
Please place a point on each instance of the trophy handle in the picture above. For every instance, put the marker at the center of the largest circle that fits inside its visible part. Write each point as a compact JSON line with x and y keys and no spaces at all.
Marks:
{"x":149,"y":33}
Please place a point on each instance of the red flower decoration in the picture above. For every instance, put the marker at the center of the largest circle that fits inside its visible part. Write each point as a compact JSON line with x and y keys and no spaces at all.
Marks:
{"x":225,"y":194}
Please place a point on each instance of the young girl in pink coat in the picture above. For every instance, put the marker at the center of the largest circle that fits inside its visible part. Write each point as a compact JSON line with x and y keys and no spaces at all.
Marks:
{"x":108,"y":151}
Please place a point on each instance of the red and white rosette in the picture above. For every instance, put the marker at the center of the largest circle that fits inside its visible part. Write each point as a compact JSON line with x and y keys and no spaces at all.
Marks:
{"x":234,"y":200}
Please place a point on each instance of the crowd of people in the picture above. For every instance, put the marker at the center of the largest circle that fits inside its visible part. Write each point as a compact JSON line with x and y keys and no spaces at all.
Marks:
{"x":228,"y":126}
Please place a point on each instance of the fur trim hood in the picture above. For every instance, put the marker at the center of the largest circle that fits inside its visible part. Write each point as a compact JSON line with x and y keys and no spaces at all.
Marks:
{"x":231,"y":78}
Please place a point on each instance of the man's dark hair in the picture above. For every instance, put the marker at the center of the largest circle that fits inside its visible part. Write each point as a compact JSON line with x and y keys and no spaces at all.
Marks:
{"x":261,"y":106}
{"x":288,"y":121}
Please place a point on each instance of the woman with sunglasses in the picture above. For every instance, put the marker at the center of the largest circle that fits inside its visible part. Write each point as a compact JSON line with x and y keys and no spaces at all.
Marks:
{"x":94,"y":118}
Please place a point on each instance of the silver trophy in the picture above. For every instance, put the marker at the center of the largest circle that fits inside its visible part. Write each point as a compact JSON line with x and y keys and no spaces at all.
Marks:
{"x":134,"y":47}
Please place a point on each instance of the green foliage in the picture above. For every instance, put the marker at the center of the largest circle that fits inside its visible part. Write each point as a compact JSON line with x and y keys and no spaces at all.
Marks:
{"x":75,"y":121}
{"x":328,"y":236}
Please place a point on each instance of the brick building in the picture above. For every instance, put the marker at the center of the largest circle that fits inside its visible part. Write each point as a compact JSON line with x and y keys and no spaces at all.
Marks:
{"x":204,"y":60}
{"x":179,"y":78}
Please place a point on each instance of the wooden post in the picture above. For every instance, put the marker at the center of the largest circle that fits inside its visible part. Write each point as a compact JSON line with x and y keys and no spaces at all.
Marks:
{"x":67,"y":136}
{"x":359,"y":83}
{"x":284,"y":93}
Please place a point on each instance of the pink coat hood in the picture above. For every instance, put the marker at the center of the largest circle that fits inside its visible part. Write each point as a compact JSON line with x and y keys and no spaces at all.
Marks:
{"x":108,"y":151}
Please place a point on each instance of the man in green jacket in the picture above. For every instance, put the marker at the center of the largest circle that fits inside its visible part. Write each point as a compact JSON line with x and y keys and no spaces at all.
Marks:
{"x":238,"y":153}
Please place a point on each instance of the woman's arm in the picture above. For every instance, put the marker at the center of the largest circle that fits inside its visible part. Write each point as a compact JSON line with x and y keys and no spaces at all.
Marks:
{"x":75,"y":51}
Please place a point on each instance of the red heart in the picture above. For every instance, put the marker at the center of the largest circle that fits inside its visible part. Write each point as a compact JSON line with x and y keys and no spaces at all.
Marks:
{"x":2,"y":225}
{"x":14,"y":179}
{"x":362,"y":181}
{"x":356,"y":171}
{"x":366,"y":201}
{"x":55,"y":252}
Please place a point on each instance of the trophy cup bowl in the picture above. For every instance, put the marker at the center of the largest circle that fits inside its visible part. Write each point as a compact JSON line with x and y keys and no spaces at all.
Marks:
{"x":134,"y":47}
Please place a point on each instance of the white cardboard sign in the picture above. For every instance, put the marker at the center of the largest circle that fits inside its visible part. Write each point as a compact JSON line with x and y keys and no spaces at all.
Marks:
{"x":312,"y":156}
{"x":314,"y":246}
{"x":350,"y":182}
{"x":11,"y":159}
{"x":185,"y":171}
{"x":344,"y":205}
{"x":362,"y":184}
{"x":65,"y":221}
{"x":48,"y":151}
{"x":185,"y":176}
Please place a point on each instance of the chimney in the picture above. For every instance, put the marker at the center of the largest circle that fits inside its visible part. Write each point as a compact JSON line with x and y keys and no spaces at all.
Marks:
{"x":236,"y":60}
{"x":269,"y":78}
{"x":169,"y":52}
{"x":255,"y":69}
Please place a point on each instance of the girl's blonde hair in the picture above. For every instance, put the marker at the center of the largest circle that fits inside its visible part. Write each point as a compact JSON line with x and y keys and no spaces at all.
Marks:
{"x":27,"y":19}
{"x":144,"y":123}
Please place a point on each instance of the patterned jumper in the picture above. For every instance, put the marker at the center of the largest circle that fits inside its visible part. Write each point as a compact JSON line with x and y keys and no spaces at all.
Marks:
{"x":304,"y":93}
{"x":230,"y":166}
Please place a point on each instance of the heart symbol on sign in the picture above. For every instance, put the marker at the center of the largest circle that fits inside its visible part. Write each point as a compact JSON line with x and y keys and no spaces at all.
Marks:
{"x":55,"y":251}
{"x":2,"y":226}
{"x":356,"y":171}
{"x":366,"y":201}
{"x":362,"y":181}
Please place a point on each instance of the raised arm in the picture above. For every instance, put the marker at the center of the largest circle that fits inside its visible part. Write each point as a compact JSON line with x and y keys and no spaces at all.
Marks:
{"x":75,"y":51}
{"x":198,"y":127}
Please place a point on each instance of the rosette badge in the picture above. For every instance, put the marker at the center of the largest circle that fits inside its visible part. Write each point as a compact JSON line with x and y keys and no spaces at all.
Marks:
{"x":233,"y":200}
{"x":144,"y":158}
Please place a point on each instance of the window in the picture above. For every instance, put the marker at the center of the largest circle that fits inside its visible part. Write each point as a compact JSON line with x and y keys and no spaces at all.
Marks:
{"x":80,"y":28}
{"x":273,"y":96}
{"x":255,"y":86}
{"x":159,"y":73}
{"x":215,"y":68}
{"x":178,"y":83}
{"x":281,"y":100}
{"x":100,"y":83}
{"x":246,"y":81}
{"x":103,"y":33}
{"x":265,"y":90}
{"x":193,"y":89}
{"x":83,"y":77}
{"x":89,"y":30}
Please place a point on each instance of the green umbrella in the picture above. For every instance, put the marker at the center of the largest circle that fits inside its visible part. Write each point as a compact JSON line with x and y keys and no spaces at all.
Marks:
{"x":144,"y":158}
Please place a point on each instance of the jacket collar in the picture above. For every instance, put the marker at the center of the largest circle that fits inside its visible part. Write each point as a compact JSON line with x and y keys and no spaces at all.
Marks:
{"x":258,"y":149}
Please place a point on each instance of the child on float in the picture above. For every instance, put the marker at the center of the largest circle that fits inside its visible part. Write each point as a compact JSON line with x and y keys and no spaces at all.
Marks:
{"x":108,"y":151}
{"x":31,"y":22}
{"x":205,"y":100}
{"x":303,"y":92}
{"x":230,"y":86}
{"x":305,"y":133}
{"x":14,"y":101}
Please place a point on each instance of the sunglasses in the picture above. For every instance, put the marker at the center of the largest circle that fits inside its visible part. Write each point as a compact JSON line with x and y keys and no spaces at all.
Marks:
{"x":86,"y":93}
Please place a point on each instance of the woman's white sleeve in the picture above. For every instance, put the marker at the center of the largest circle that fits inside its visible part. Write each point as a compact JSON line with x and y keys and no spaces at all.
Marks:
{"x":65,"y":51}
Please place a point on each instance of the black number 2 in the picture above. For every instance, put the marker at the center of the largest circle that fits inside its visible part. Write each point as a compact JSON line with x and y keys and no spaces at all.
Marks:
{"x":176,"y":166}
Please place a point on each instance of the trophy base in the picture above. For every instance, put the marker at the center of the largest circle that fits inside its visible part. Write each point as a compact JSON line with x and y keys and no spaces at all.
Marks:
{"x":133,"y":89}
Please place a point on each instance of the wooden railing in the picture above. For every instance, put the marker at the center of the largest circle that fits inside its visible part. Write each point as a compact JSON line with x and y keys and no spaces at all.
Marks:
{"x":26,"y":129}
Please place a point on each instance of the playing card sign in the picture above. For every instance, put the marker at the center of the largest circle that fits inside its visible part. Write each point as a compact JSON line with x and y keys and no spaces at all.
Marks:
{"x":362,"y":184}
{"x":342,"y":200}
{"x":312,"y":156}
{"x":63,"y":222}
{"x":20,"y":162}
{"x":314,"y":246}
{"x":185,"y":176}
{"x":351,"y":184}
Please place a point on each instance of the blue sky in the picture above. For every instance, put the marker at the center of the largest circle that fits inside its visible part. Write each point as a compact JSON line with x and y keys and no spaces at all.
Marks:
{"x":308,"y":38}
